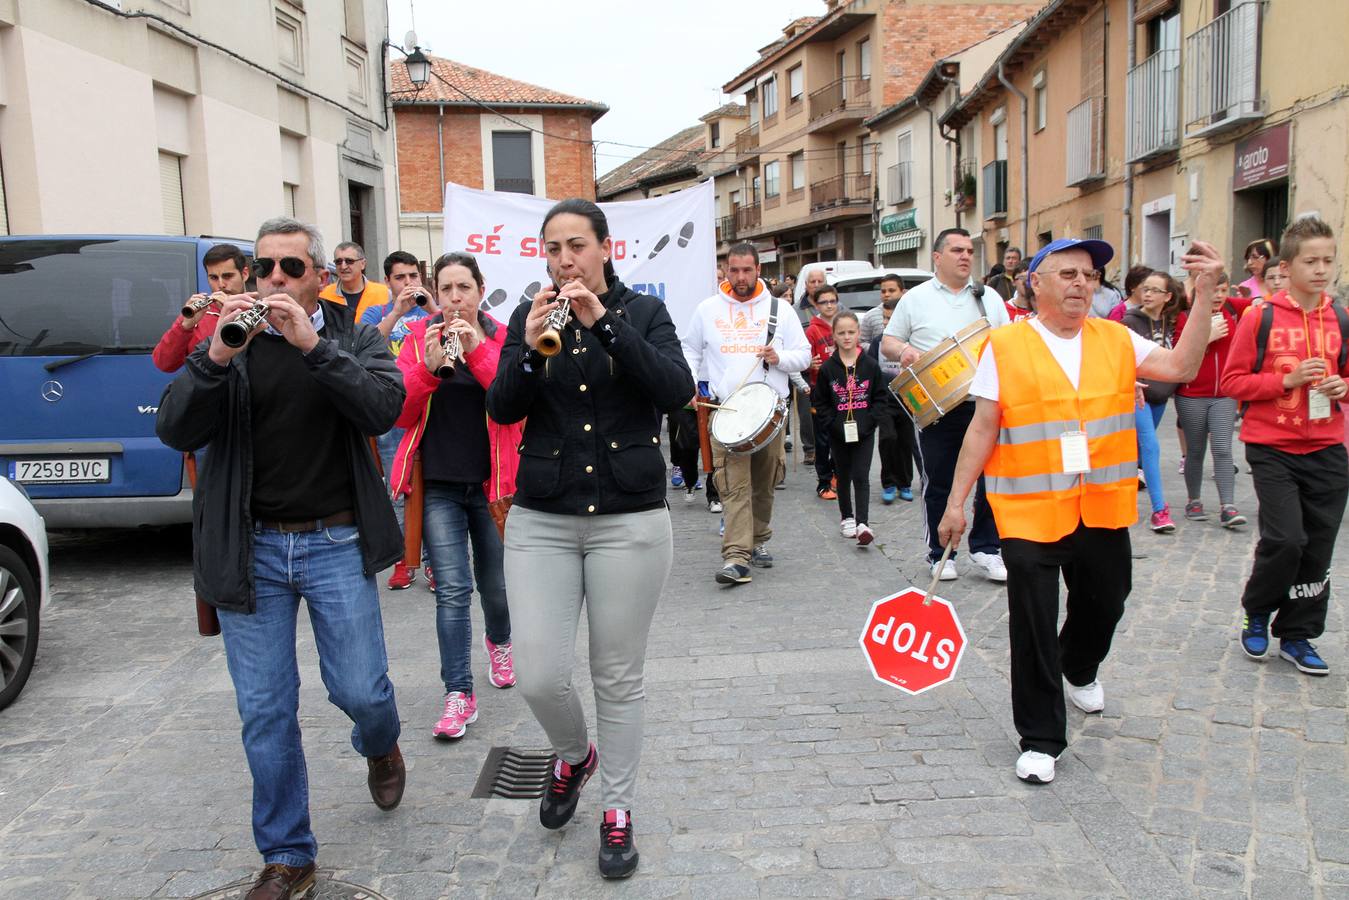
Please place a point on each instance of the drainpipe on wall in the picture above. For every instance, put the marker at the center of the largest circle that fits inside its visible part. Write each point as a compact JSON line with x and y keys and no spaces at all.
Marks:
{"x":1025,"y":155}
{"x":1125,"y":238}
{"x":931,"y":156}
{"x":440,"y":156}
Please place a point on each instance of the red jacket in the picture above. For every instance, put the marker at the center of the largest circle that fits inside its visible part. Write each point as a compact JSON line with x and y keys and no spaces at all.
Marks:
{"x":1206,"y":383}
{"x":421,"y":384}
{"x":172,"y":350}
{"x":1277,"y":418}
{"x":820,"y":334}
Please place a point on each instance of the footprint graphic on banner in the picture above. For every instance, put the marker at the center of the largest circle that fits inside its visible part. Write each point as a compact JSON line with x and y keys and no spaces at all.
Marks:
{"x":528,"y":295}
{"x":494,"y":298}
{"x":685,"y":235}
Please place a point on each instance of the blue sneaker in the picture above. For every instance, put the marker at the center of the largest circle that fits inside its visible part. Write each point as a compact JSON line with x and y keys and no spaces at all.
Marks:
{"x":1302,"y":654}
{"x":676,"y":477}
{"x":906,"y":494}
{"x":888,"y":495}
{"x":1255,"y":635}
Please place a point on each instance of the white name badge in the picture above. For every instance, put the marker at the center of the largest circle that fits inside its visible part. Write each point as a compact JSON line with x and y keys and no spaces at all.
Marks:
{"x":850,"y":432}
{"x":1318,"y":405}
{"x":1076,"y":456}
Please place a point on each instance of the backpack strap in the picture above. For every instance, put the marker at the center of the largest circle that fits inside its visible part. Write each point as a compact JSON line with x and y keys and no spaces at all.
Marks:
{"x":1343,"y":318}
{"x":1262,"y":335}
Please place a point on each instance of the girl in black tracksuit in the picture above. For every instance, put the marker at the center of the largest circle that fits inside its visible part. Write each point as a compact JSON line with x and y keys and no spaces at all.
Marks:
{"x":849,"y":397}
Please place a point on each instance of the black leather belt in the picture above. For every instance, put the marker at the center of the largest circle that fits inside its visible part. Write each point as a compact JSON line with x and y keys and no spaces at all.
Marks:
{"x":345,"y":517}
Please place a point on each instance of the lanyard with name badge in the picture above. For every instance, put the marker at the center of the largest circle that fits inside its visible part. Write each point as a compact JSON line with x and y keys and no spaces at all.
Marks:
{"x":850,"y":424}
{"x":1318,"y":404}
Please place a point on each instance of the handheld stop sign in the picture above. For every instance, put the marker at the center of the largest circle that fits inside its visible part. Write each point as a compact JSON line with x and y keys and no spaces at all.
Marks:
{"x":913,"y":640}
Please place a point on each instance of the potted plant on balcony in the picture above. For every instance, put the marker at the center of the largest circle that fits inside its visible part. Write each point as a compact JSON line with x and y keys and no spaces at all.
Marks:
{"x":965,"y":191}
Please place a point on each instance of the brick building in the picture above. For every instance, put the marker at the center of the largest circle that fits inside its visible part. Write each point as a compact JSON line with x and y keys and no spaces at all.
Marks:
{"x":483,"y":130}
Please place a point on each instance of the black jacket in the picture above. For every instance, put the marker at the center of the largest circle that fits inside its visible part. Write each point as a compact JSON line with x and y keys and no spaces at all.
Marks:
{"x":825,"y":399}
{"x":208,"y":406}
{"x":592,"y":436}
{"x":1137,"y":321}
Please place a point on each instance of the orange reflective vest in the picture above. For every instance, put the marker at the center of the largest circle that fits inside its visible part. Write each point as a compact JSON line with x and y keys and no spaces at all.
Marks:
{"x":373,"y":294}
{"x":1032,"y":498}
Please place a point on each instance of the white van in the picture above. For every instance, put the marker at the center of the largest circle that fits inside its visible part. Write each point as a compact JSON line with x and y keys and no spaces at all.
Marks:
{"x":835,"y":268}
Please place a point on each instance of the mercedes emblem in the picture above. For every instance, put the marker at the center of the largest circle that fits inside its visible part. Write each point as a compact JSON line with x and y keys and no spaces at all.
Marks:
{"x":52,"y":391}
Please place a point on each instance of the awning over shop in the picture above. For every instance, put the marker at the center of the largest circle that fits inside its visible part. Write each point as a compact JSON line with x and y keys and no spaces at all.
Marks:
{"x":905,"y":240}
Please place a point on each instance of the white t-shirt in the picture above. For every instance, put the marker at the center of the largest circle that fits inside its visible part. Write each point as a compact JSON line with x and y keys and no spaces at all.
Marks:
{"x":1067,"y":352}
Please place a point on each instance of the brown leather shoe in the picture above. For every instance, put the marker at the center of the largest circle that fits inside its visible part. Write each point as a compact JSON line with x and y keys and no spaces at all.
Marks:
{"x":278,"y":882}
{"x":387,"y":778}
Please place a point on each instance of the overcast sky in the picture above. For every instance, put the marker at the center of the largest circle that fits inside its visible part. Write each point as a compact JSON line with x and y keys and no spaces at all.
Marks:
{"x":658,"y":66}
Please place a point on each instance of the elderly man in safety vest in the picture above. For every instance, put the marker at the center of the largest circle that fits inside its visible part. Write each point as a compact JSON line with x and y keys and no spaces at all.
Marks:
{"x":1053,"y":435}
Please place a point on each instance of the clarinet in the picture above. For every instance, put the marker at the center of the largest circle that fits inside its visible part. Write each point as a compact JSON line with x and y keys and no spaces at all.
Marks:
{"x":452,"y":348}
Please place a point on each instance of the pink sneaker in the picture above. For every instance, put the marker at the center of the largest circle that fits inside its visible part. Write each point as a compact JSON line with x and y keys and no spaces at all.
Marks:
{"x":1161,"y":521}
{"x":430,"y":579}
{"x":500,"y":669}
{"x":461,"y":710}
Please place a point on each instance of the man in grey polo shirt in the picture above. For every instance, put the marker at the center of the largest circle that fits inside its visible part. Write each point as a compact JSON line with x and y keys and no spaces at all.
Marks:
{"x":931,"y":312}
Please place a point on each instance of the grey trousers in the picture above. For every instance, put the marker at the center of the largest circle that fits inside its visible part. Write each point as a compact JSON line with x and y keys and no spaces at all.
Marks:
{"x":616,"y":566}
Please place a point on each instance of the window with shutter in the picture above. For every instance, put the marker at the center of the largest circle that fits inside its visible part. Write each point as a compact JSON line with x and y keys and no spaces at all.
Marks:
{"x":288,"y":199}
{"x":171,"y":193}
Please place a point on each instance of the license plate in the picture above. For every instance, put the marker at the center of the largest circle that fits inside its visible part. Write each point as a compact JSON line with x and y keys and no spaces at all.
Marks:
{"x":59,"y":471}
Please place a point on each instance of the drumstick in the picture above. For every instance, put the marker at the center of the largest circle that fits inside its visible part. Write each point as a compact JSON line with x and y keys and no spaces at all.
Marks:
{"x":717,"y":406}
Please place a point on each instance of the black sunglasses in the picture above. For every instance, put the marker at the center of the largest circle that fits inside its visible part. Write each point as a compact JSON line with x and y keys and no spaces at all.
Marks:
{"x":291,"y":265}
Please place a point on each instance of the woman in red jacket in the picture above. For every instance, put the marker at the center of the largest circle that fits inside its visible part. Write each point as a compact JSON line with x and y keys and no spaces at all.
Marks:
{"x":1206,"y":415}
{"x":468,"y":461}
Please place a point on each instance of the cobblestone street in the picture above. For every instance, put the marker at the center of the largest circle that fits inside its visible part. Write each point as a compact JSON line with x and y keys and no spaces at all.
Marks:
{"x":774,"y":765}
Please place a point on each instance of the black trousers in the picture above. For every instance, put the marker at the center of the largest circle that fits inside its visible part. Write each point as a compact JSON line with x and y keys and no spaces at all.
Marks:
{"x":824,"y":463}
{"x":686,"y":452}
{"x":898,"y":438}
{"x":1302,"y":498}
{"x":938,"y":447}
{"x":1097,"y":567}
{"x":853,"y":462}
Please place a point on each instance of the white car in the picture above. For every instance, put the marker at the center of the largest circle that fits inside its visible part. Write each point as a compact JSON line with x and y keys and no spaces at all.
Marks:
{"x":861,"y":291}
{"x":24,"y":587}
{"x":834,"y":268}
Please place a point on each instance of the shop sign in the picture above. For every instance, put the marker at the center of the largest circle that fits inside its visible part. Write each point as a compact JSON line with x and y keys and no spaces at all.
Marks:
{"x":901,"y":221}
{"x":1261,"y":157}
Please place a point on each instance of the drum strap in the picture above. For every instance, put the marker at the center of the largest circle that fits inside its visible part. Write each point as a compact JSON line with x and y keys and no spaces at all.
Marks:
{"x":772,"y":327}
{"x":977,"y":290}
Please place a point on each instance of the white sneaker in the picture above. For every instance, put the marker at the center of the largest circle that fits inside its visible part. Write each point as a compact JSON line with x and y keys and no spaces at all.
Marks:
{"x":848,"y":527}
{"x":1035,"y":767}
{"x":1090,"y":698}
{"x":948,"y":571}
{"x":714,"y":507}
{"x":864,"y":534}
{"x":992,"y":565}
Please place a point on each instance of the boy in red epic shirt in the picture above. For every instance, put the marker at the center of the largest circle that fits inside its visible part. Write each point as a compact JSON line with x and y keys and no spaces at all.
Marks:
{"x":1294,"y":433}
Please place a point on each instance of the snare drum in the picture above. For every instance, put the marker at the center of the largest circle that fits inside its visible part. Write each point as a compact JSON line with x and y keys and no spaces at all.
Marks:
{"x":749,"y":419}
{"x":940,"y":380}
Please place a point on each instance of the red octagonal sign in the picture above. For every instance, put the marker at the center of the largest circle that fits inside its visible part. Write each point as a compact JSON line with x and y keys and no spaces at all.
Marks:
{"x":910,"y":645}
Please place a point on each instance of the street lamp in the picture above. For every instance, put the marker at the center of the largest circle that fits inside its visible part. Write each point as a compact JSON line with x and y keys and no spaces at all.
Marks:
{"x":419,"y":67}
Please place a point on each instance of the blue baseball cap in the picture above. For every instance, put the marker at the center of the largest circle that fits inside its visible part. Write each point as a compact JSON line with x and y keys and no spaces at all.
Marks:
{"x":1101,"y":252}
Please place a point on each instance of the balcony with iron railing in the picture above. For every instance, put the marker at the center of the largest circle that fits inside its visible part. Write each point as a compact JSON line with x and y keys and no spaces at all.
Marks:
{"x":1086,"y":142}
{"x":1222,"y":80}
{"x":747,"y":218}
{"x":995,"y":189}
{"x":726,"y":228}
{"x":899,"y":178}
{"x":842,"y":192}
{"x":515,"y":185}
{"x":1154,"y":92}
{"x":747,"y":141}
{"x":846,"y":101}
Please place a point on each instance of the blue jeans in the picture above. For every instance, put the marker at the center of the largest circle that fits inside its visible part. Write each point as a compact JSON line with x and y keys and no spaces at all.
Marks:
{"x":456,"y":513}
{"x":388,"y":445}
{"x":1150,"y":452}
{"x":323,"y":567}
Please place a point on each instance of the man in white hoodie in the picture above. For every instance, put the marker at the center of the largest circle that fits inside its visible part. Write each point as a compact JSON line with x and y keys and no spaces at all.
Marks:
{"x":728,"y":337}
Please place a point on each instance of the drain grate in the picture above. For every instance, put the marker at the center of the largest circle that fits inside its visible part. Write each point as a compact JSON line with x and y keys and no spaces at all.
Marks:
{"x":514,"y":773}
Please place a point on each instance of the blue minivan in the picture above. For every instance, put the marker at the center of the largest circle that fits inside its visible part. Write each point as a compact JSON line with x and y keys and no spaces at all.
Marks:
{"x":79,"y":317}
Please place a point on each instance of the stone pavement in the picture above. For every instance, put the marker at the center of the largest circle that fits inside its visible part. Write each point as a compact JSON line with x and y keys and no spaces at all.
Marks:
{"x":775,"y":765}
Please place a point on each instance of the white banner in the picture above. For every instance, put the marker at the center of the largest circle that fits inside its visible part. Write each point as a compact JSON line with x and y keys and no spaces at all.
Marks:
{"x":665,"y":246}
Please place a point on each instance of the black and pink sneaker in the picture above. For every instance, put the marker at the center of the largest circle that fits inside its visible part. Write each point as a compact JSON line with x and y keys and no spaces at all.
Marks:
{"x":618,"y":855}
{"x":564,"y":789}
